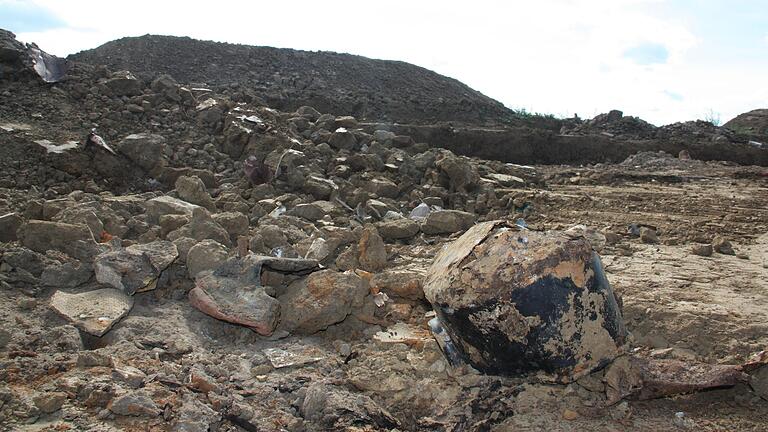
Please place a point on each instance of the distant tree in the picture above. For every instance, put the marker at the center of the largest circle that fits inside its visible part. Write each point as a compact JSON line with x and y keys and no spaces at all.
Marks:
{"x":712,"y":117}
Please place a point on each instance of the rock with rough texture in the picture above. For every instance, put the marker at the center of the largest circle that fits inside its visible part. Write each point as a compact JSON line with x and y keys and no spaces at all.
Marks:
{"x":202,"y":226}
{"x":74,"y":240}
{"x":704,"y":250}
{"x":342,"y":139}
{"x":234,"y":293}
{"x":192,"y":189}
{"x":166,"y":205}
{"x":9,"y":224}
{"x":722,"y":245}
{"x":50,"y":402}
{"x":313,"y":211}
{"x":447,"y":222}
{"x":462,"y":175}
{"x":93,"y":312}
{"x":195,"y":416}
{"x":515,"y":301}
{"x":205,"y":255}
{"x":373,"y":253}
{"x":398,"y":229}
{"x":136,"y":403}
{"x":123,"y":83}
{"x":234,"y":223}
{"x":648,"y":235}
{"x":322,"y":299}
{"x":66,"y":275}
{"x":145,"y":150}
{"x":334,"y":408}
{"x":382,"y":187}
{"x":135,"y":268}
{"x":403,"y":283}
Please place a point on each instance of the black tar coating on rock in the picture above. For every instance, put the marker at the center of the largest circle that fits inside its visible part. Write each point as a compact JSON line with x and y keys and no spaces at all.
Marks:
{"x":547,"y":299}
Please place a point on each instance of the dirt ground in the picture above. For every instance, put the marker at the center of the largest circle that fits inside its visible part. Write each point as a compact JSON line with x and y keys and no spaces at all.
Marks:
{"x":682,"y":305}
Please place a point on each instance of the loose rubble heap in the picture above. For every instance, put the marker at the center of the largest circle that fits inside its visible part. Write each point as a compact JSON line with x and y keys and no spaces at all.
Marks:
{"x":229,"y":266}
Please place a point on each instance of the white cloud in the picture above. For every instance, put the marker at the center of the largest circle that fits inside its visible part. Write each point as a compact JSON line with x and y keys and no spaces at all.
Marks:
{"x":559,"y":56}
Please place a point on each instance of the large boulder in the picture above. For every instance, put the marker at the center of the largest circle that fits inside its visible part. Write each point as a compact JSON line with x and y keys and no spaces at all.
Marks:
{"x":515,"y":301}
{"x":320,"y":300}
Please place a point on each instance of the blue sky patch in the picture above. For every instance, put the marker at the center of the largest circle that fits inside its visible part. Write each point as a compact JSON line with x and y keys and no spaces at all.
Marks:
{"x":647,"y":53}
{"x":21,"y":17}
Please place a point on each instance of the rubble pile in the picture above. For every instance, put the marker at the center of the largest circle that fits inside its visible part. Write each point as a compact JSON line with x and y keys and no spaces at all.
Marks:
{"x":215,"y":263}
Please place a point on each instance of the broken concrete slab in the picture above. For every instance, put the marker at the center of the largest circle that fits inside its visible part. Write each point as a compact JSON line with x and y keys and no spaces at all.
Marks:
{"x":93,"y":312}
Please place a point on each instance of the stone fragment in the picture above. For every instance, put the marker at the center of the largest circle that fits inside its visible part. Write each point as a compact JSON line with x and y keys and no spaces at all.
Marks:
{"x":135,"y":268}
{"x":123,"y":83}
{"x":373,"y":252}
{"x":447,"y":222}
{"x":721,"y":245}
{"x":403,"y":283}
{"x":66,"y":275}
{"x":202,"y":226}
{"x":462,"y":175}
{"x":195,"y":416}
{"x":313,"y":211}
{"x":233,"y":292}
{"x":320,"y":300}
{"x":166,"y":205}
{"x":704,"y":250}
{"x":9,"y":224}
{"x":334,"y":408}
{"x":136,"y":403}
{"x":50,"y":402}
{"x":648,"y":235}
{"x":74,"y":240}
{"x":145,"y":150}
{"x":515,"y":301}
{"x":131,"y":376}
{"x":398,"y":229}
{"x":192,"y":189}
{"x":382,"y":187}
{"x":93,"y":312}
{"x":205,"y":255}
{"x":236,"y":224}
{"x":342,"y":139}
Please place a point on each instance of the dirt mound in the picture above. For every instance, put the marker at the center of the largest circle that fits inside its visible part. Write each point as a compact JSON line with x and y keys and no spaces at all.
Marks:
{"x":753,"y":124}
{"x":286,"y":79}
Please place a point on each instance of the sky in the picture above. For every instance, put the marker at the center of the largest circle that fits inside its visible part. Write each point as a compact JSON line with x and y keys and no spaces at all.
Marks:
{"x":661,"y":60}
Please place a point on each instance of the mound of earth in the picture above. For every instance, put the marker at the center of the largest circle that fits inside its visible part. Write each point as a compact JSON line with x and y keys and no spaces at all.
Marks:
{"x":753,"y":124}
{"x":341,"y":84}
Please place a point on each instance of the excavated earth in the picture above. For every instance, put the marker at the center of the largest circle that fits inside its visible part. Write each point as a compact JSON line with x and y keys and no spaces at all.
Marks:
{"x":684,"y":243}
